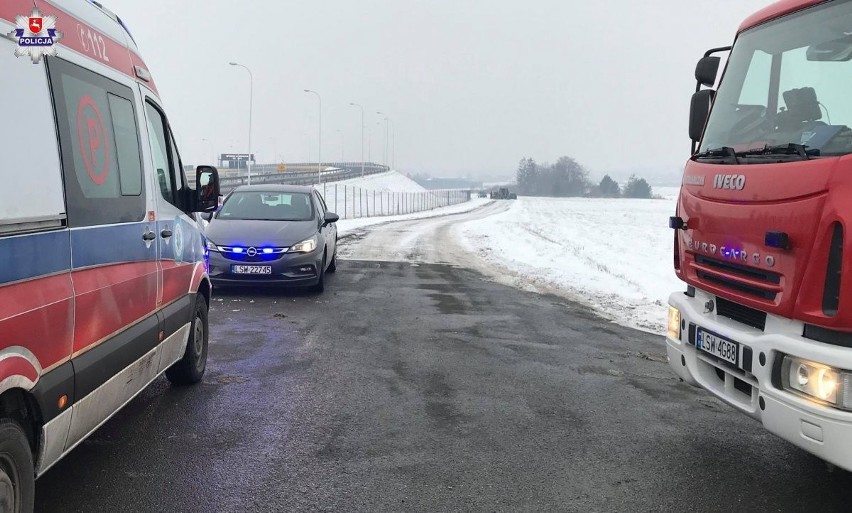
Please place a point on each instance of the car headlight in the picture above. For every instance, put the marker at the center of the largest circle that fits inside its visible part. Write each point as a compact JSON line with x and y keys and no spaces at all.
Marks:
{"x":211,"y":246}
{"x":674,"y":323}
{"x":306,"y":246}
{"x":817,"y":381}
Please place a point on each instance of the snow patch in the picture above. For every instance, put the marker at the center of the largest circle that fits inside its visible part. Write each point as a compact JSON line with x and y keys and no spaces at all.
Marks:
{"x":615,"y":254}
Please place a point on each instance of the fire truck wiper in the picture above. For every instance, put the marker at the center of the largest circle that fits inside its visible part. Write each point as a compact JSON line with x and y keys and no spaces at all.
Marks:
{"x":724,"y":154}
{"x":792,"y":149}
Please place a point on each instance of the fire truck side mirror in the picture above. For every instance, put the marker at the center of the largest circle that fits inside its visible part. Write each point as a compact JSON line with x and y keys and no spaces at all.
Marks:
{"x":706,"y":70}
{"x":699,"y":110}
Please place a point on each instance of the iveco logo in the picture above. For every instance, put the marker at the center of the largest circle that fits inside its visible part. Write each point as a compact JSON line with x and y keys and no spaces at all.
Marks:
{"x":733,"y":182}
{"x":252,"y":252}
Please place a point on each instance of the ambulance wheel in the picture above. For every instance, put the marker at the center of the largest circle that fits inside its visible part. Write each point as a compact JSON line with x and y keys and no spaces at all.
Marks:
{"x":190,"y":369}
{"x":17,"y":476}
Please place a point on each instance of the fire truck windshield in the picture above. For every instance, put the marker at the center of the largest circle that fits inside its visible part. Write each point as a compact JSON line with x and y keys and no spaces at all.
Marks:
{"x":786,"y":82}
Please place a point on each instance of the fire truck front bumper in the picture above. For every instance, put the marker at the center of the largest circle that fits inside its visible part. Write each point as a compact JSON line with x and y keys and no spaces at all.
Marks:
{"x":798,"y":388}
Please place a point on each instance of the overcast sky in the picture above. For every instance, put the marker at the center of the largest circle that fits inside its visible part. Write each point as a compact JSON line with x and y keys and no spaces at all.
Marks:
{"x":471,"y":85}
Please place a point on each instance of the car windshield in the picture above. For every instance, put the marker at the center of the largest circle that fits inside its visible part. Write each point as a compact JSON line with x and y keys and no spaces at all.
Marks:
{"x":788,"y":82}
{"x":267,"y":206}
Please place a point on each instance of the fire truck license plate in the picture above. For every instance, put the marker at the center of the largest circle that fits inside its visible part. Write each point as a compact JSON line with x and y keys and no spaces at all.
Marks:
{"x":717,"y":346}
{"x":252,"y":269}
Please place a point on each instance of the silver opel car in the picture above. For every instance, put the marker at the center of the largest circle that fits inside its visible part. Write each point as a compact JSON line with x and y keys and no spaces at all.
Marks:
{"x":272,"y":235}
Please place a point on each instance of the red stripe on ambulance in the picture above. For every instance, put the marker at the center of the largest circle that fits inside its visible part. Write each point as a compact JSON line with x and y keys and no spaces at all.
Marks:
{"x":39,"y":315}
{"x":110,"y":298}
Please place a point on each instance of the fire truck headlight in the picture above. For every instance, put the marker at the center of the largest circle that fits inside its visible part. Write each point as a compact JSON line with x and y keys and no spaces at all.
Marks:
{"x":803,"y":375}
{"x":817,"y":381}
{"x":827,"y":385}
{"x":674,"y":323}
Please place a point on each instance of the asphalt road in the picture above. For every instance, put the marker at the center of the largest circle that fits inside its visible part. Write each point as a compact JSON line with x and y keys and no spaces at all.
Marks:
{"x":427,"y":387}
{"x":429,"y":240}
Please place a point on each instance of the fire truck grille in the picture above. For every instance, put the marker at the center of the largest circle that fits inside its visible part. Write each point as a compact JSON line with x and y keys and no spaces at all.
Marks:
{"x":740,"y":313}
{"x":747,"y":280}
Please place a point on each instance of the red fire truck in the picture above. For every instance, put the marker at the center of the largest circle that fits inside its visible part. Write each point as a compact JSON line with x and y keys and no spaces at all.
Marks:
{"x":765,"y":322}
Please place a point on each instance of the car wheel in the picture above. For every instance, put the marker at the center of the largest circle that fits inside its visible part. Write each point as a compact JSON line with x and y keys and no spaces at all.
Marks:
{"x":190,"y":369}
{"x":17,"y":476}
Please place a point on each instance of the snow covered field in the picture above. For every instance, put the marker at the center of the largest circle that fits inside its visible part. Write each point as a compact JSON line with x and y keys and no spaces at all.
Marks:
{"x":615,"y":254}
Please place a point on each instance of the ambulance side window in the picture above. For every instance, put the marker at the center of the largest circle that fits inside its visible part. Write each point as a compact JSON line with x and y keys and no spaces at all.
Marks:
{"x":169,"y":173}
{"x":160,"y":152}
{"x":99,"y":143}
{"x":126,"y":145}
{"x":178,"y":165}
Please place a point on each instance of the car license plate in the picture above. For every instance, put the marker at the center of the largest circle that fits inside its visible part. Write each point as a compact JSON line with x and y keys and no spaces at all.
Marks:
{"x":717,"y":346}
{"x":252,"y":269}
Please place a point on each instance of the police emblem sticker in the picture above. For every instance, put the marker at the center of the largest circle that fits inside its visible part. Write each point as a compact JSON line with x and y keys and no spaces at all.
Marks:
{"x":36,"y":36}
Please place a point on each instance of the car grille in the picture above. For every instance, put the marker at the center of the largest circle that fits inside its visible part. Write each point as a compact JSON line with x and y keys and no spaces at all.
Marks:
{"x":747,"y":280}
{"x":246,"y":254}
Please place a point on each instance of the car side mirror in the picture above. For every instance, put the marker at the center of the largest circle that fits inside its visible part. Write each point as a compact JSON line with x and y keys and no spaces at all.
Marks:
{"x":699,"y":110}
{"x":206,"y":189}
{"x":330,"y":217}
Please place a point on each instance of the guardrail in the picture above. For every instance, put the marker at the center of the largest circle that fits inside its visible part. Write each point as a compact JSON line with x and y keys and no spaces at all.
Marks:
{"x":350,"y":202}
{"x":269,"y":174}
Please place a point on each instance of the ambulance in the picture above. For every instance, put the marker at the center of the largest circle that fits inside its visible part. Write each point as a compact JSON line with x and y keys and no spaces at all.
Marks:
{"x":103,"y":268}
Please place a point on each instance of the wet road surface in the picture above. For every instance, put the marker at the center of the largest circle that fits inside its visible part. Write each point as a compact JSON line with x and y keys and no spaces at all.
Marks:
{"x":426,"y":387}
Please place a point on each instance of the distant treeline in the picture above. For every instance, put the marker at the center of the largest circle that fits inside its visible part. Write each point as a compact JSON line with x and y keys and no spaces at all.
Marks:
{"x":566,"y":178}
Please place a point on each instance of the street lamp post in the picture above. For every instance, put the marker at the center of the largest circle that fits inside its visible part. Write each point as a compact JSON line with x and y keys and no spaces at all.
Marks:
{"x":389,"y":121}
{"x":362,"y":134}
{"x":251,"y":93}
{"x":319,"y":149}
